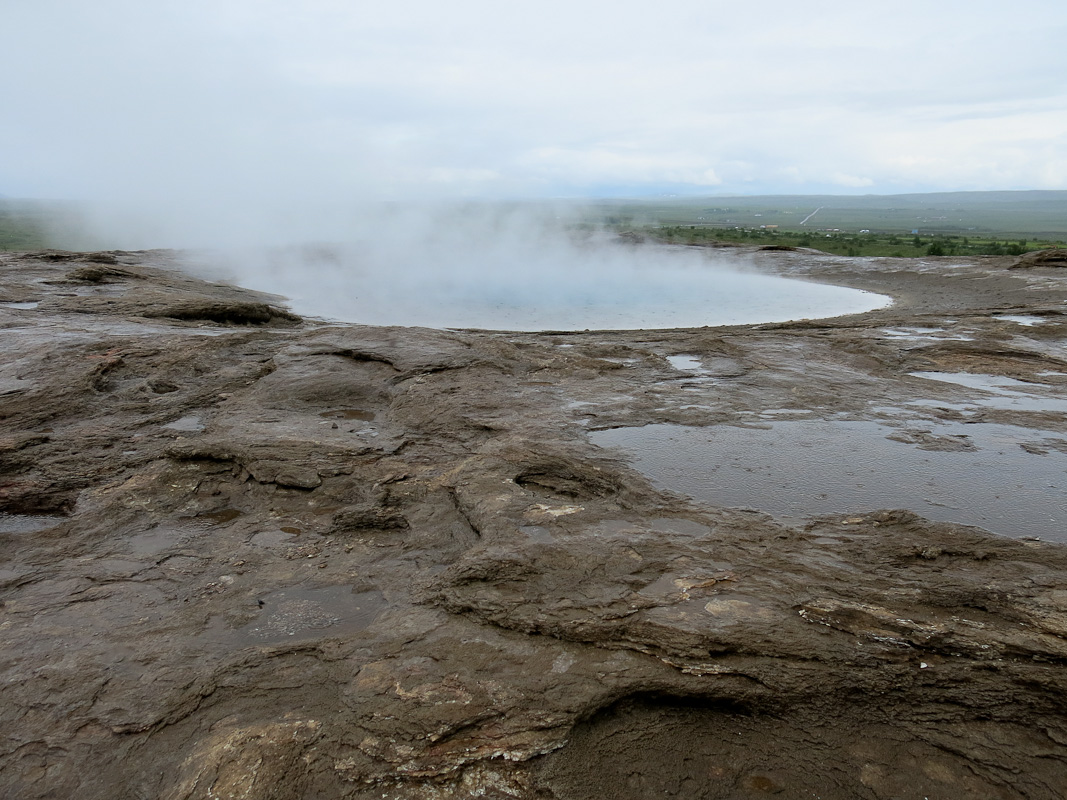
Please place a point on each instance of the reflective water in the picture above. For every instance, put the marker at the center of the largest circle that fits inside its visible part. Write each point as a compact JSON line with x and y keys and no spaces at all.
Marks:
{"x":221,"y":517}
{"x":189,"y":424}
{"x":916,"y":334}
{"x":27,"y":523}
{"x":541,"y":284}
{"x":671,"y":525}
{"x":1022,"y":319}
{"x":647,"y":301}
{"x":997,"y":391}
{"x":160,"y":539}
{"x":910,"y":333}
{"x":684,"y":363}
{"x":800,"y":468}
{"x":299,"y":613}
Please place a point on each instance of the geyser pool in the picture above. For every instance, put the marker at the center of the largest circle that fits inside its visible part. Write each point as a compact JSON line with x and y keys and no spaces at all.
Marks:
{"x":553,"y":286}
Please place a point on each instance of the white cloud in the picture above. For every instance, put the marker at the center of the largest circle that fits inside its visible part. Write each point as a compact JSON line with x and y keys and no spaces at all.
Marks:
{"x":620,"y":164}
{"x":177,"y":103}
{"x":851,"y":181}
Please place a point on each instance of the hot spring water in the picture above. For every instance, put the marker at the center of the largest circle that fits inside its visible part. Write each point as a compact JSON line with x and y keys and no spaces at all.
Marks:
{"x":550,"y":286}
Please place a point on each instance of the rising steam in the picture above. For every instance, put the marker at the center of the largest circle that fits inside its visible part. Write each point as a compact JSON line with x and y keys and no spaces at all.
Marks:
{"x":517,"y":268}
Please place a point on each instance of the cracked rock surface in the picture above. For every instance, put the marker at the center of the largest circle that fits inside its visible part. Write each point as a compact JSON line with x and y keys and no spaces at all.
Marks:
{"x":246,"y":555}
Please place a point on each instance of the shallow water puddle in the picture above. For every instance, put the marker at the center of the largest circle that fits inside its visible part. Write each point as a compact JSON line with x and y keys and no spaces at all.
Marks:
{"x":913,"y":334}
{"x":1000,"y":392}
{"x":672,"y":525}
{"x":299,"y":613}
{"x":772,"y":413}
{"x":917,"y":334}
{"x":27,"y":523}
{"x":189,"y":424}
{"x":910,"y":333}
{"x":537,"y":533}
{"x":20,"y":306}
{"x":802,"y":468}
{"x":684,"y":363}
{"x":1022,"y":319}
{"x":158,"y":540}
{"x":220,"y":517}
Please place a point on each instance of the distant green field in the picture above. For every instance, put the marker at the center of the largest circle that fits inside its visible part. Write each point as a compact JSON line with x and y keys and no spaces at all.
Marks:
{"x":956,"y":223}
{"x":1031,"y":214}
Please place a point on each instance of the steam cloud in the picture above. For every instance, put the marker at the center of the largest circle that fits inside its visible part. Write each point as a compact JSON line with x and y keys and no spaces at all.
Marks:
{"x":519,"y":268}
{"x":299,"y":146}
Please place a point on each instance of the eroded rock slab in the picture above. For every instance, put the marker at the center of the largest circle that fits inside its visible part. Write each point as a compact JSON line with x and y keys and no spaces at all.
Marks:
{"x":247,"y":555}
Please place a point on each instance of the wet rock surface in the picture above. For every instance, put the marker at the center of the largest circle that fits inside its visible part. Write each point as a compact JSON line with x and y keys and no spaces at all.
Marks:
{"x":252,"y":556}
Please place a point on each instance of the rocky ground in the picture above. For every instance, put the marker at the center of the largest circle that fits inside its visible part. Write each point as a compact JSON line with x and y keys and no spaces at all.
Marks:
{"x":246,"y":555}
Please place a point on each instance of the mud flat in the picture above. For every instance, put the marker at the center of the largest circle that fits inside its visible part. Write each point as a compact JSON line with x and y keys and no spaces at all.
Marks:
{"x":246,"y":555}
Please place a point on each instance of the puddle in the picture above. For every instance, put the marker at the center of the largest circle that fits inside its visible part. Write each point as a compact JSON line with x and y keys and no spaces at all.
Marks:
{"x":158,"y":540}
{"x":300,"y":613}
{"x":27,"y":523}
{"x":25,"y":306}
{"x":573,"y":404}
{"x":802,"y":468}
{"x":554,"y":511}
{"x":1000,"y":392}
{"x":687,"y":364}
{"x":349,"y":413}
{"x":190,"y":424}
{"x":218,"y":517}
{"x":911,"y":333}
{"x":1022,"y":319}
{"x":924,"y":333}
{"x":672,"y":525}
{"x":537,"y":533}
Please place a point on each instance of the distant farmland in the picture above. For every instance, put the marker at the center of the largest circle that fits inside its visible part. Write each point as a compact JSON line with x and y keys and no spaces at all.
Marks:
{"x":1029,"y":214}
{"x":903,"y":225}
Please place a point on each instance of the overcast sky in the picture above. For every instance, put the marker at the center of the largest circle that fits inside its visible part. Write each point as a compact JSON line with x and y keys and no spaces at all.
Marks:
{"x":156,"y":102}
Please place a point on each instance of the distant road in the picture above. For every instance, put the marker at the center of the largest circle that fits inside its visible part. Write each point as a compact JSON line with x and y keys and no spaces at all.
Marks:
{"x":812,"y":214}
